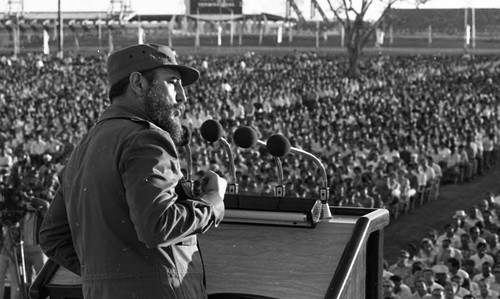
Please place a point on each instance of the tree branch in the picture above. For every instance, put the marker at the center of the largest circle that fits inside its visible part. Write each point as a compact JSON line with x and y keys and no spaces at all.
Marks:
{"x":351,"y":8}
{"x":366,"y":36}
{"x":365,"y":6}
{"x":337,"y":15}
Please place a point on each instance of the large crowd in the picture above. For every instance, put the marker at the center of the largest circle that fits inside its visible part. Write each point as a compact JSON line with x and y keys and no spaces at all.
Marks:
{"x":388,"y":139}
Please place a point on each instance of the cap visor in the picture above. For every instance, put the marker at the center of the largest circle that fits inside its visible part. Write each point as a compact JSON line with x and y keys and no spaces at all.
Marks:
{"x":188,"y":74}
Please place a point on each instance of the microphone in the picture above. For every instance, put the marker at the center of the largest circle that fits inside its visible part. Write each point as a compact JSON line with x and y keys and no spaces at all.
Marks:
{"x":211,"y":130}
{"x":280,"y":144}
{"x":186,"y":138}
{"x":246,"y":137}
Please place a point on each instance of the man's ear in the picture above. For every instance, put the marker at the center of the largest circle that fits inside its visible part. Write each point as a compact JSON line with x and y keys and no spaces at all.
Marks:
{"x":138,"y":83}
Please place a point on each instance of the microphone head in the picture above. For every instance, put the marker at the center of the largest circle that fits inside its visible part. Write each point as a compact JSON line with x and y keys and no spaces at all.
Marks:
{"x":245,"y":137}
{"x":211,"y":130}
{"x":278,"y":145}
{"x":186,"y":136}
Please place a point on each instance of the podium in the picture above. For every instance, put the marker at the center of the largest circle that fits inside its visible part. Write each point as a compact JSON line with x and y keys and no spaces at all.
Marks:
{"x":338,"y":258}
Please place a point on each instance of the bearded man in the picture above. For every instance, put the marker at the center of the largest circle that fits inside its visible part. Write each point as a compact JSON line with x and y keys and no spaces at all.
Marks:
{"x":118,"y":219}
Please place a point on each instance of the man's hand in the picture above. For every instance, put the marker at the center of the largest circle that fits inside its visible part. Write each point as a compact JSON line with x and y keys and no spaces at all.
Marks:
{"x":211,"y":182}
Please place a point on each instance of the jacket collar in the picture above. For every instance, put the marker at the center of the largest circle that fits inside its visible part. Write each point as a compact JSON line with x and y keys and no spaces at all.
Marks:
{"x":116,"y":111}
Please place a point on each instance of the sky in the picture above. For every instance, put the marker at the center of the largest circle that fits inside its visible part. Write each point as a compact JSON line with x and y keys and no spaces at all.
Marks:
{"x":249,"y":6}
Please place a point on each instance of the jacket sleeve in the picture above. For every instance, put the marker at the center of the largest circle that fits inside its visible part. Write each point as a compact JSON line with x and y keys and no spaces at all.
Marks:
{"x":150,"y":171}
{"x":55,"y":236}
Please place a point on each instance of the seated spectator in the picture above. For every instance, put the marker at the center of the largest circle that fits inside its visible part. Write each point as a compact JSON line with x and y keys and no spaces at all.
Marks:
{"x":388,"y":290}
{"x":417,"y":269}
{"x":485,"y":291}
{"x":495,"y":285}
{"x":481,"y":256}
{"x":432,"y":235}
{"x":452,"y":172}
{"x":402,"y":267}
{"x":450,"y":290}
{"x":447,"y":251}
{"x":430,"y":280}
{"x":484,"y":207}
{"x":407,"y":192}
{"x":454,"y":266}
{"x":363,"y":199}
{"x":461,"y":290}
{"x":458,"y":220}
{"x":420,"y":290}
{"x":400,"y":289}
{"x":485,"y":274}
{"x":465,"y":246}
{"x":473,"y":218}
{"x":488,"y":227}
{"x":475,"y":238}
{"x":493,"y":203}
{"x":441,"y":273}
{"x":427,"y":253}
{"x":450,"y":234}
{"x":469,"y":266}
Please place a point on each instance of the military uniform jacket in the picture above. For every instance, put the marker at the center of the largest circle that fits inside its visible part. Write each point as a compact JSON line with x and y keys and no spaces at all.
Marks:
{"x":116,"y":219}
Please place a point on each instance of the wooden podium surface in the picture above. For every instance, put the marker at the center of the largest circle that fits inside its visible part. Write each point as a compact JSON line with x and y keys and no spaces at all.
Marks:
{"x":339,"y":258}
{"x":288,"y":262}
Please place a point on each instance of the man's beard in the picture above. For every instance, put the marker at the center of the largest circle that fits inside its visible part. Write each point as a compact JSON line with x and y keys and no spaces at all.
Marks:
{"x":165,"y":114}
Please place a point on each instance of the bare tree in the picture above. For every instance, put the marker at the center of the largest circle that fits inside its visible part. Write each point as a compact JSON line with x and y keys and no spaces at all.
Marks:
{"x":352,"y":16}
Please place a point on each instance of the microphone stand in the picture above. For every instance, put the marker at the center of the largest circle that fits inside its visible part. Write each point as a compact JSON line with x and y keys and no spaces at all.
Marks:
{"x":324,"y":191}
{"x":231,"y":188}
{"x":279,"y":190}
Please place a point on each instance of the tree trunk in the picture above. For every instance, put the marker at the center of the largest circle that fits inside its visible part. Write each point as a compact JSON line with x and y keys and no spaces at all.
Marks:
{"x":354,"y":46}
{"x":353,"y":52}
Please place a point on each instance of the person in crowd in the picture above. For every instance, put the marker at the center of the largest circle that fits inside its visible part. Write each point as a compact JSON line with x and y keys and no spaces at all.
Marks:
{"x":482,"y":256}
{"x":450,"y":290}
{"x":495,"y":284}
{"x":388,"y":290}
{"x":400,"y":289}
{"x":473,"y":217}
{"x":441,"y":274}
{"x":124,"y":177}
{"x":420,"y":289}
{"x":427,"y":253}
{"x":485,"y":274}
{"x":455,"y":267}
{"x":450,"y":234}
{"x":475,"y":238}
{"x":447,"y":251}
{"x":484,"y":291}
{"x":465,"y":246}
{"x":461,"y":289}
{"x":430,"y":280}
{"x":402,"y":268}
{"x":469,"y":266}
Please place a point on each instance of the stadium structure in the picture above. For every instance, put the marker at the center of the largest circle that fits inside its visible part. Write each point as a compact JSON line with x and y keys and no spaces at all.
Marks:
{"x":211,"y":23}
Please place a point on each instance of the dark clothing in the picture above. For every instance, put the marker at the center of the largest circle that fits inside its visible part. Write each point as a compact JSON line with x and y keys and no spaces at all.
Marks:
{"x":117,"y":221}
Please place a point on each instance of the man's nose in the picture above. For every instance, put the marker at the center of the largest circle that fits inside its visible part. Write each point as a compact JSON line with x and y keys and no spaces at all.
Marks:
{"x":181,"y":95}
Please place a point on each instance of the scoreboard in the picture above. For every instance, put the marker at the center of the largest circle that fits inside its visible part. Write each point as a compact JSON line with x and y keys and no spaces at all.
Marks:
{"x":215,"y":6}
